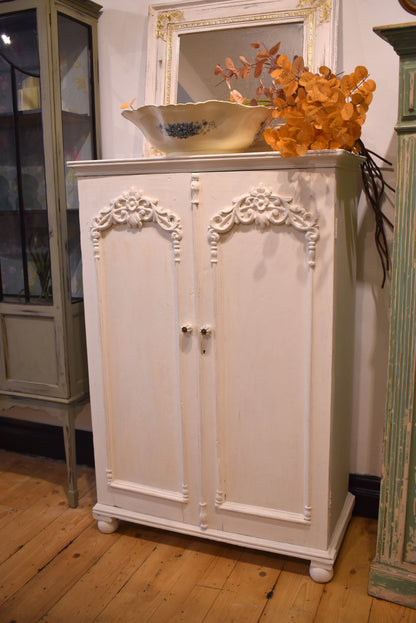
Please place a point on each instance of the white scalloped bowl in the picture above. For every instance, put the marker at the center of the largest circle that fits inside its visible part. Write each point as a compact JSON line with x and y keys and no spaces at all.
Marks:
{"x":212,"y":127}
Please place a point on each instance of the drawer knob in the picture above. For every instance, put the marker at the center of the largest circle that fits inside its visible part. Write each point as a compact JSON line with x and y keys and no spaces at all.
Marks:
{"x":186,"y":328}
{"x":205,"y":330}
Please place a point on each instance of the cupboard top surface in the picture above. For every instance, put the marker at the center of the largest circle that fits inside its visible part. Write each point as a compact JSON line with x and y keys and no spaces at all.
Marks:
{"x":319,"y":159}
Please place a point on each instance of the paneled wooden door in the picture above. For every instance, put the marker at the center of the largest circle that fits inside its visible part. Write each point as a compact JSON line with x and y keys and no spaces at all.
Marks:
{"x":144,"y":257}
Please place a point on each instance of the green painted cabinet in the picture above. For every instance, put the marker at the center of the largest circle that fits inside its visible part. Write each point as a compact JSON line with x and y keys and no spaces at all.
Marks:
{"x":49,"y":114}
{"x":393,"y":571}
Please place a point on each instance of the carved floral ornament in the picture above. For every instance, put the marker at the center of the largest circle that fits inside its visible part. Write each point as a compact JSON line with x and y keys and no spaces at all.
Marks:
{"x":262,"y":208}
{"x":133,"y":209}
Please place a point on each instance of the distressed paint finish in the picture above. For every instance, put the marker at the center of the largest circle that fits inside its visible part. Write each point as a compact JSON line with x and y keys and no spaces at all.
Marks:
{"x":393,"y":571}
{"x":220,"y":393}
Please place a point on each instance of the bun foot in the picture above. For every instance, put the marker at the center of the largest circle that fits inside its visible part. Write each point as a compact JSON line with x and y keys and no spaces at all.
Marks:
{"x":107,"y":525}
{"x":320,"y":572}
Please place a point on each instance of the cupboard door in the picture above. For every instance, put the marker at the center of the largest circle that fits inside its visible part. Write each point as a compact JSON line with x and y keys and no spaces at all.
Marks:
{"x":144,"y":262}
{"x":256,"y":266}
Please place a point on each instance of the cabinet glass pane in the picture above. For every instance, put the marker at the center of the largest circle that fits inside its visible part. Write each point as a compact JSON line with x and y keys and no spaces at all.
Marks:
{"x":77,"y":126}
{"x":24,"y":231}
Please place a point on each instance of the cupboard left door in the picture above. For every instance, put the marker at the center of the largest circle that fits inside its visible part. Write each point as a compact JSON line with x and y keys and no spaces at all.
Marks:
{"x":138,"y":259}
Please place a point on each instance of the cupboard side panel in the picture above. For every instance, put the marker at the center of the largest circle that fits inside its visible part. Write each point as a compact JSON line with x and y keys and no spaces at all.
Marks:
{"x":345,"y":260}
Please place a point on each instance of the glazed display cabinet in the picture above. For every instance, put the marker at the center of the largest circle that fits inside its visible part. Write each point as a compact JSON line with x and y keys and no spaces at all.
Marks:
{"x":48,"y":115}
{"x":219,"y":306}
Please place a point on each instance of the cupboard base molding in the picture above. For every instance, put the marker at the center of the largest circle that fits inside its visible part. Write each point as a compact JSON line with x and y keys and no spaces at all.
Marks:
{"x":322,"y":560}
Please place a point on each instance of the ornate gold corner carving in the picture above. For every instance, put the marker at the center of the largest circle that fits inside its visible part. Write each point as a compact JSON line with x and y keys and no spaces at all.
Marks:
{"x":323,"y":6}
{"x":164,"y":19}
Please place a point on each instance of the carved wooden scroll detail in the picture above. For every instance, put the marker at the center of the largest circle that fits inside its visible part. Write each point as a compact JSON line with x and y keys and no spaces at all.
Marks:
{"x":133,"y":210}
{"x":263,"y":208}
{"x":203,"y":516}
{"x":195,"y":191}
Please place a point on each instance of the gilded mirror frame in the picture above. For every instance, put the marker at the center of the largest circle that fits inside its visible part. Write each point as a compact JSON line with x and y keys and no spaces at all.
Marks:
{"x":169,"y":20}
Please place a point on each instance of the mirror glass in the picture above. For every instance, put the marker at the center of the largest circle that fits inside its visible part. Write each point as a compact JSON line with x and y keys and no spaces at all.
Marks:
{"x":200,"y":52}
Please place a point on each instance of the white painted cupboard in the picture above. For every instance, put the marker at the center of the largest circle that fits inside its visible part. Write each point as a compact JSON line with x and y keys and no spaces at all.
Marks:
{"x":219,"y":300}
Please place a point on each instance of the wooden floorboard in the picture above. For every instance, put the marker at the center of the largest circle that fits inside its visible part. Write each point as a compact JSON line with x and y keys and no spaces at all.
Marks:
{"x":56,"y":567}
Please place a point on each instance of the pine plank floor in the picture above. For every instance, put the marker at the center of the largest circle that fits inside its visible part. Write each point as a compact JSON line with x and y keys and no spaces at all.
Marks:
{"x":56,"y":567}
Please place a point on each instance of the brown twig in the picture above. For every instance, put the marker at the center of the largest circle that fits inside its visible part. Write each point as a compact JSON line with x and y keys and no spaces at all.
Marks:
{"x":374,"y":188}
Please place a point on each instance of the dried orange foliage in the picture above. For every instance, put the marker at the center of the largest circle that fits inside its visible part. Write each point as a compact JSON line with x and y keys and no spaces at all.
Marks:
{"x":265,"y":59}
{"x":321,"y":111}
{"x":128,"y":104}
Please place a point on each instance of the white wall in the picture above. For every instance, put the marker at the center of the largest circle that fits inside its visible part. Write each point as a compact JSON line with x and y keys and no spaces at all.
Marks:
{"x":122,"y":41}
{"x":359,"y":45}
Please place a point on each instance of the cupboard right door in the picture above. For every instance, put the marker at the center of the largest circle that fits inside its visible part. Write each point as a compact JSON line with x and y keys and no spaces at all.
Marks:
{"x":258,"y":240}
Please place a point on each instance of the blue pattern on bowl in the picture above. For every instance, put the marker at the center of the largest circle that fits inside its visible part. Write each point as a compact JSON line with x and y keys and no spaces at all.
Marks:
{"x":185,"y":129}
